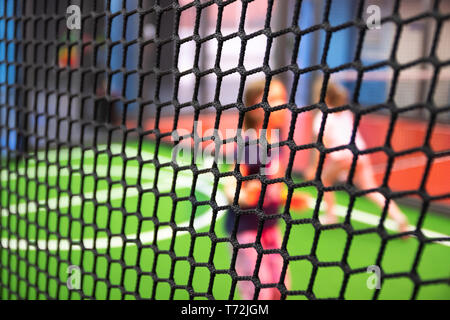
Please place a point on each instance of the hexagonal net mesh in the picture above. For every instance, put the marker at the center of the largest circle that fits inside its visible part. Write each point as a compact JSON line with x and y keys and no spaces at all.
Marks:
{"x":103,"y":102}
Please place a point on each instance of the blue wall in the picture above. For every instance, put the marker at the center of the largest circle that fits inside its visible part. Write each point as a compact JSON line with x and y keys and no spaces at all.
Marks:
{"x":341,"y":45}
{"x":7,"y":76}
{"x":306,"y":56}
{"x":341,"y":49}
{"x":117,"y":52}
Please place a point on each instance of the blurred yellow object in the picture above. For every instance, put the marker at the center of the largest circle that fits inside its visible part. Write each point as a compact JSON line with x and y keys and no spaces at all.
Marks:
{"x":299,"y":201}
{"x":63,"y":57}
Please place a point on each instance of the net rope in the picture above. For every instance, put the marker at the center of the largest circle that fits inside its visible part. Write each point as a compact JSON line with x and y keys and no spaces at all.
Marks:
{"x":32,"y":77}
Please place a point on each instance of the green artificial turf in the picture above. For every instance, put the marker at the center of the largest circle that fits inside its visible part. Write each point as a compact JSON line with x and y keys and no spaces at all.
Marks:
{"x":75,"y":200}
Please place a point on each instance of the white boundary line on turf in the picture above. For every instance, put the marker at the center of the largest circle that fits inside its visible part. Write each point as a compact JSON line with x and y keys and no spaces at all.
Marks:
{"x":371,"y":219}
{"x":52,"y":203}
{"x":116,"y":241}
{"x":165,"y":232}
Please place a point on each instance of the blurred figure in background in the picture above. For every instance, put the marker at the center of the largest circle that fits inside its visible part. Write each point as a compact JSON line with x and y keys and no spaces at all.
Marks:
{"x":338,"y":132}
{"x":271,"y":237}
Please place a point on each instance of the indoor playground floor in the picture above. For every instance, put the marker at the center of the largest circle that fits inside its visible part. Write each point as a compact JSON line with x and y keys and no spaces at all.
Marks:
{"x":59,"y":206}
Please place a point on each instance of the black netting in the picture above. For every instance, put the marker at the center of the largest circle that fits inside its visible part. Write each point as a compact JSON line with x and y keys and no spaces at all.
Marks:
{"x":89,"y":185}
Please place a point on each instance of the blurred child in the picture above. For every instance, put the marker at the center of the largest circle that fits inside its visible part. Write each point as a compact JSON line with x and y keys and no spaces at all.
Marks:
{"x":338,"y":131}
{"x":271,"y":237}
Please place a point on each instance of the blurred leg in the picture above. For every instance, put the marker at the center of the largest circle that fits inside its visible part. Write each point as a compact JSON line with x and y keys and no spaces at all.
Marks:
{"x":265,"y":276}
{"x":365,"y":178}
{"x":270,"y":267}
{"x":272,"y":264}
{"x":332,"y":169}
{"x":245,"y":263}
